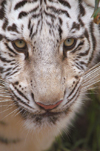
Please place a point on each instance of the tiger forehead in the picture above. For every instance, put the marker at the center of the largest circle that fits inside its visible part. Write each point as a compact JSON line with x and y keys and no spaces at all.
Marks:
{"x":32,"y":17}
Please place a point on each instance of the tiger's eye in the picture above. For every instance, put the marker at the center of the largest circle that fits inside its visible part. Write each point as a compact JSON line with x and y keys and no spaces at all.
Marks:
{"x":20,"y":45}
{"x":69,"y":42}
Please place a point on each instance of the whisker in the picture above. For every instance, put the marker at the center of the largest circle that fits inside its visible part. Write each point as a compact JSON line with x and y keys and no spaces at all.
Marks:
{"x":89,"y":86}
{"x":97,"y":66}
{"x":4,"y":92}
{"x":91,"y":77}
{"x":91,"y":74}
{"x":91,"y":82}
{"x":10,"y":113}
{"x":6,"y":110}
{"x":19,"y":111}
{"x":6,"y":105}
{"x":5,"y":101}
{"x":95,"y":73}
{"x":97,"y":76}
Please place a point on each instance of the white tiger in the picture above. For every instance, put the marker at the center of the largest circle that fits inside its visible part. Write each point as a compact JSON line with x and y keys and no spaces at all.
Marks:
{"x":49,"y":58}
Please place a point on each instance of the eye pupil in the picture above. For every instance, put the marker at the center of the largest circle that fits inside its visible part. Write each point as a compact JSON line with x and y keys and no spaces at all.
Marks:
{"x":20,"y":41}
{"x":68,"y":40}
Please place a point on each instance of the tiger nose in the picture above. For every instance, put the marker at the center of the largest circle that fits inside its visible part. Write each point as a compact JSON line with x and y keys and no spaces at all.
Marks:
{"x":49,"y":107}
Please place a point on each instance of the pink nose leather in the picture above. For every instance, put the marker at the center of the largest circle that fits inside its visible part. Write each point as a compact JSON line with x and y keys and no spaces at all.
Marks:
{"x":48,"y":107}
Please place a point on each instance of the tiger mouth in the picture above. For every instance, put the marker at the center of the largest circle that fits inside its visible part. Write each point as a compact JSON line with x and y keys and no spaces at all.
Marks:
{"x":40,"y":116}
{"x":48,"y":114}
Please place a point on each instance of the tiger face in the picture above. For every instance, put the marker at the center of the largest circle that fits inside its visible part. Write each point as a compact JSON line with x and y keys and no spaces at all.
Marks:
{"x":44,"y":54}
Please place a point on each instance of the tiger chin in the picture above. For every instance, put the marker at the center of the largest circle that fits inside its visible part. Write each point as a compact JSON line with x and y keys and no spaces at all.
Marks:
{"x":49,"y":58}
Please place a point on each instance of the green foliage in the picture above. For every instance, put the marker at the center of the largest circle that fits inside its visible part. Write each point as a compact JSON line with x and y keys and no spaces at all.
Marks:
{"x":96,"y":13}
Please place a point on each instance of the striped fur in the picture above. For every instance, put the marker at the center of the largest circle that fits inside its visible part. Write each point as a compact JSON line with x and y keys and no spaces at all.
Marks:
{"x":43,"y":85}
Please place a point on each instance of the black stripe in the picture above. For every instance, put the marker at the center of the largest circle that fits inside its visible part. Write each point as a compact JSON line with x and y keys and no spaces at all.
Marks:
{"x":64,"y":3}
{"x":93,"y":40}
{"x":9,"y":73}
{"x":35,"y":31}
{"x":32,"y":95}
{"x":34,"y":10}
{"x":32,"y":1}
{"x":29,"y":24}
{"x":76,"y":49}
{"x":49,"y":24}
{"x":1,"y":37}
{"x":8,"y":69}
{"x":13,"y":28}
{"x":10,"y":49}
{"x":51,"y":15}
{"x":80,"y":21}
{"x":20,"y":4}
{"x":5,"y":24}
{"x":41,"y":2}
{"x":73,"y":89}
{"x":22,"y":14}
{"x":10,"y":55}
{"x":60,"y":21}
{"x":64,"y":12}
{"x":12,"y":63}
{"x":1,"y":70}
{"x":86,"y":34}
{"x":18,"y":99}
{"x":31,"y":31}
{"x":5,"y":60}
{"x":20,"y":93}
{"x":99,"y":27}
{"x":82,"y":9}
{"x":84,"y":53}
{"x":36,"y":15}
{"x":34,"y":34}
{"x":92,"y":35}
{"x":59,"y":11}
{"x":2,"y":12}
{"x":60,"y":32}
{"x":75,"y":26}
{"x":78,"y":66}
{"x":82,"y":63}
{"x":15,"y":67}
{"x":75,"y":95}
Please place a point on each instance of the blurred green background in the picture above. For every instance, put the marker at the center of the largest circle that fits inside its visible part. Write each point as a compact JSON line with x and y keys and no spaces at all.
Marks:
{"x":84,"y":135}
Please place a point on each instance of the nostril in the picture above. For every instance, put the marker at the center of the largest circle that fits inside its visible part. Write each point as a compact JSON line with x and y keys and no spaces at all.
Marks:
{"x":49,"y":107}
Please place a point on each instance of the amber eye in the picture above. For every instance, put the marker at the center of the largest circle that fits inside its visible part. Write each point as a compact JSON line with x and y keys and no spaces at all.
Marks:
{"x":69,"y":43}
{"x":19,"y":45}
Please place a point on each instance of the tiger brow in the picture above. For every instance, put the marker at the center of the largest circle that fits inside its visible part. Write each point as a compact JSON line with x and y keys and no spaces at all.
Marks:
{"x":20,"y":4}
